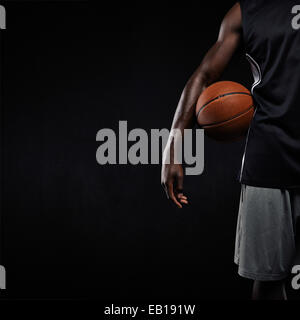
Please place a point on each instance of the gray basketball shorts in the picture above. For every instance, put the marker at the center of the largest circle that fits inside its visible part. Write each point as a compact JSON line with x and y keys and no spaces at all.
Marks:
{"x":265,"y":247}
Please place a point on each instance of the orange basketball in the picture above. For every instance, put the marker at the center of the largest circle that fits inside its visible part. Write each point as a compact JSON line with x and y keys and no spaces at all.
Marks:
{"x":224,"y":110}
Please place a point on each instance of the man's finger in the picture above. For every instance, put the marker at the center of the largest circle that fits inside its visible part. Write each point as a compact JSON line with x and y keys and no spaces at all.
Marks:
{"x":172,"y":196}
{"x":184,"y":201}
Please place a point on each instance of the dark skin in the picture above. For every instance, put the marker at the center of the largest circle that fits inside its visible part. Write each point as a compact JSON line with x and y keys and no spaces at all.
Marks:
{"x":209,"y":71}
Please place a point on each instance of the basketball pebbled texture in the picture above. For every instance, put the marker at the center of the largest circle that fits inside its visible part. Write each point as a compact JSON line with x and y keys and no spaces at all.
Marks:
{"x":225,"y":110}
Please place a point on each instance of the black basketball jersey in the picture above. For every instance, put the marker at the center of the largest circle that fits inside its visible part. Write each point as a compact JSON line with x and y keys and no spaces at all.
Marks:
{"x":271,"y":30}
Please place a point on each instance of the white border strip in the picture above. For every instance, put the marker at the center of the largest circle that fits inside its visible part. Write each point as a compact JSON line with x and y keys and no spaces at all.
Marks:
{"x":255,"y":71}
{"x":257,"y":75}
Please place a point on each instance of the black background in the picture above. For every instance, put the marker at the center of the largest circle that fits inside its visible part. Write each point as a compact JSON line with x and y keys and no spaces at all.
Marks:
{"x":74,"y":229}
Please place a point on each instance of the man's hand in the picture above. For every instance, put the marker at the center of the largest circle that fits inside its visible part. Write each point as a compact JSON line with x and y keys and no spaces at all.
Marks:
{"x":172,"y":182}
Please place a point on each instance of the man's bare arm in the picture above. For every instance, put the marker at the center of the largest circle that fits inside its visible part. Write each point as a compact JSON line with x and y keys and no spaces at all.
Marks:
{"x":209,"y":71}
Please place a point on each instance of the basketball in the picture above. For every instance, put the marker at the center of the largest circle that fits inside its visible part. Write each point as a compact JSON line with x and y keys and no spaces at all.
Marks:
{"x":224,"y":110}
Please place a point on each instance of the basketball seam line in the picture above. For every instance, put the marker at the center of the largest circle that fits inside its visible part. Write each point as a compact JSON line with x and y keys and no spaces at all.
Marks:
{"x":236,"y":116}
{"x":218,"y":97}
